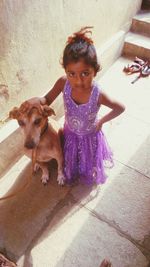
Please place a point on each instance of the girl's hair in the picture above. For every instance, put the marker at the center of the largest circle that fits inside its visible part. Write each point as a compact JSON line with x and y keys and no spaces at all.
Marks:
{"x":80,"y":46}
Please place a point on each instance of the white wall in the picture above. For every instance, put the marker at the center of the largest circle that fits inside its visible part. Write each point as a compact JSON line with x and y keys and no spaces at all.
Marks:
{"x":33,"y":35}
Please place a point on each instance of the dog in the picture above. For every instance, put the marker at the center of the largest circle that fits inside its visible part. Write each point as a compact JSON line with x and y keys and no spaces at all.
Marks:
{"x":41,"y":139}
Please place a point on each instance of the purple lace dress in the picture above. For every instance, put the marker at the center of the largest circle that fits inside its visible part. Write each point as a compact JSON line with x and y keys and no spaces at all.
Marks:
{"x":85,"y":150}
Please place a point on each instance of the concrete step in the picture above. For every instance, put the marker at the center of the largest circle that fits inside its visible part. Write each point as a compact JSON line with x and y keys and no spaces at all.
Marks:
{"x":141,"y":23}
{"x":136,"y":45}
{"x":11,"y":148}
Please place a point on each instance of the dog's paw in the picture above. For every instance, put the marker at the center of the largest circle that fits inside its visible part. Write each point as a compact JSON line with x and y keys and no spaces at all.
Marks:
{"x":36,"y":167}
{"x":61,"y":179}
{"x":44,"y":179}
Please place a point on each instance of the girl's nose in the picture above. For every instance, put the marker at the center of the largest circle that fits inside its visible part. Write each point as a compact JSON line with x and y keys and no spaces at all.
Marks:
{"x":78,"y":80}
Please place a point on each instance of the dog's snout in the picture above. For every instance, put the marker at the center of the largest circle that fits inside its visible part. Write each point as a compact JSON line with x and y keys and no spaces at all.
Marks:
{"x":30,"y":144}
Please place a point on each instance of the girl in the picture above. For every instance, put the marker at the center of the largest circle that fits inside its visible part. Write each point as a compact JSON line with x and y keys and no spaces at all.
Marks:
{"x":85,"y":146}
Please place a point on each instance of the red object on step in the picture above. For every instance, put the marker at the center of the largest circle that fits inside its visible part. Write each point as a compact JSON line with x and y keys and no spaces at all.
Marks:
{"x":138,"y":65}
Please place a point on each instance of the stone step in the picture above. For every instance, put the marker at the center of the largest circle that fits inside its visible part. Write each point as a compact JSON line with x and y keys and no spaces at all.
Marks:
{"x":11,"y":148}
{"x":141,"y":23}
{"x":136,"y":45}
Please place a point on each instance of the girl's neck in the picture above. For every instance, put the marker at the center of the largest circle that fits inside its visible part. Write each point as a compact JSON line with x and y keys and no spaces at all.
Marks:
{"x":81,"y":96}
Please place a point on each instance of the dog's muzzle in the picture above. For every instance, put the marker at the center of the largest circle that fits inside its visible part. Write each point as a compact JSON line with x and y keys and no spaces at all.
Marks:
{"x":30,"y":144}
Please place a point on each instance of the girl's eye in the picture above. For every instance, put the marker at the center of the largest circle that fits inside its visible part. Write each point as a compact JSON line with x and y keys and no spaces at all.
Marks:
{"x":21,"y":123}
{"x":37,"y":121}
{"x":85,"y":74}
{"x":71,"y":74}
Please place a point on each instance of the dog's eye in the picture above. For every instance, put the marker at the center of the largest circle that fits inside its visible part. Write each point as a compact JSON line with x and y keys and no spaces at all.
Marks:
{"x":21,"y":123}
{"x":37,"y":121}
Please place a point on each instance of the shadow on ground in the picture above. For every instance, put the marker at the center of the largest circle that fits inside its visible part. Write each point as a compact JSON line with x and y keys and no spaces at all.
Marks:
{"x":44,"y":218}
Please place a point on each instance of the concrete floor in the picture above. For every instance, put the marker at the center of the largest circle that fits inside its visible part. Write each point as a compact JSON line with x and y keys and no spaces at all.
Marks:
{"x":79,"y":226}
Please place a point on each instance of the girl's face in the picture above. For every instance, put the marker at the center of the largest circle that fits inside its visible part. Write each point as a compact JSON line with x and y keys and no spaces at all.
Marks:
{"x":80,"y":75}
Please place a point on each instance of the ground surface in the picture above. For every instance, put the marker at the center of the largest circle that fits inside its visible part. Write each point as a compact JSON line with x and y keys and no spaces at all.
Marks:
{"x":80,"y":226}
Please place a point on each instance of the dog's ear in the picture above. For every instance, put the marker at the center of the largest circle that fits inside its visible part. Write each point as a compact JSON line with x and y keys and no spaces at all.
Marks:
{"x":24,"y":107}
{"x":47,"y":111}
{"x":14,"y":113}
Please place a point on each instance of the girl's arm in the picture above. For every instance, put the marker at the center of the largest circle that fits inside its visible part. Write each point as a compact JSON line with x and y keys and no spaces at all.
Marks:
{"x":116,"y":109}
{"x":56,"y":90}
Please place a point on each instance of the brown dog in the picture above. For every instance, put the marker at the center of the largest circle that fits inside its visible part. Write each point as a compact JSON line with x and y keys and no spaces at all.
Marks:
{"x":41,"y":140}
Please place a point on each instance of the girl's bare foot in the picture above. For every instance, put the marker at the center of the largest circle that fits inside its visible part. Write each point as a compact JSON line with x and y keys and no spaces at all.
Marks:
{"x":106,"y":263}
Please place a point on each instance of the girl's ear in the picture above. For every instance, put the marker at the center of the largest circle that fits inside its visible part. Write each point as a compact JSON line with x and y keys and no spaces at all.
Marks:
{"x":14,"y":113}
{"x":95,"y":72}
{"x":47,"y":111}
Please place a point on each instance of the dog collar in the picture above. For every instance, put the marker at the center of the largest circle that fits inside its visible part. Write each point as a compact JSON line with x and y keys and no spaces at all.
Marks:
{"x":44,"y":129}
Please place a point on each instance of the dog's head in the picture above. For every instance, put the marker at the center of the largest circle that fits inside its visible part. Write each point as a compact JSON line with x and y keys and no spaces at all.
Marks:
{"x":33,"y":120}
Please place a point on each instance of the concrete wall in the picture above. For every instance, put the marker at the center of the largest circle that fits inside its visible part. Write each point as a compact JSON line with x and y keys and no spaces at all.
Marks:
{"x":33,"y":34}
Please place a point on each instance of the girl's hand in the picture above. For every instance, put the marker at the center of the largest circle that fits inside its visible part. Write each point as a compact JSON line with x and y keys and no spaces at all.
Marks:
{"x":34,"y":100}
{"x":99,"y":125}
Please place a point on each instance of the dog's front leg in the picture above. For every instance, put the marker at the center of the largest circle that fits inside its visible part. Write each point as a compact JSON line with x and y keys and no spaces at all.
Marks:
{"x":36,"y":167}
{"x":60,"y":177}
{"x":45,"y":173}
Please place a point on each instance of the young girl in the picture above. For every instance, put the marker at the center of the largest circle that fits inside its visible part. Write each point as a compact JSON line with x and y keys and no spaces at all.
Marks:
{"x":85,"y":146}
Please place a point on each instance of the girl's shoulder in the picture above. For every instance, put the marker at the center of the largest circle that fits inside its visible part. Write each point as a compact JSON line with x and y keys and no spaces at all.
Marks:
{"x":98,"y":92}
{"x":97,"y":89}
{"x":56,"y":89}
{"x":61,"y":81}
{"x":97,"y":86}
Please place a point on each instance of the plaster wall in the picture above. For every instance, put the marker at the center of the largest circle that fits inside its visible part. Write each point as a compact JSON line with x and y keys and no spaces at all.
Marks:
{"x":33,"y":35}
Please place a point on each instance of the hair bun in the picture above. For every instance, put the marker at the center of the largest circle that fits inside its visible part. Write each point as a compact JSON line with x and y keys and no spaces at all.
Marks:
{"x":81,"y":36}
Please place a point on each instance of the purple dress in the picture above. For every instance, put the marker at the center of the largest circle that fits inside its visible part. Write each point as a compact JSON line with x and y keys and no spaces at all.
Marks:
{"x":85,"y":149}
